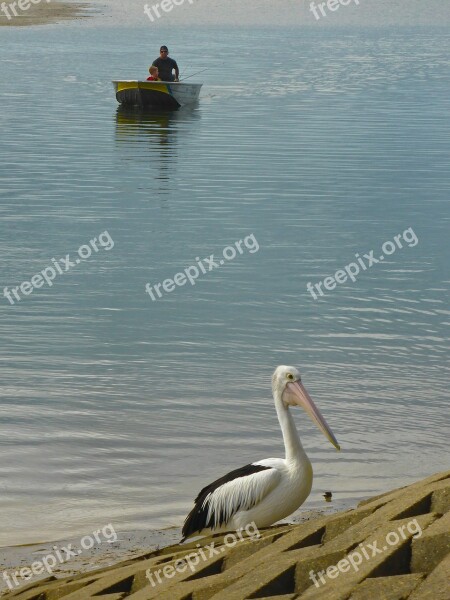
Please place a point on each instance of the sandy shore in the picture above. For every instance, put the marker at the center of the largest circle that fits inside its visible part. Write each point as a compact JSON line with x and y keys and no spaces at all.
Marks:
{"x":41,"y":14}
{"x":129,"y":545}
{"x":391,"y":546}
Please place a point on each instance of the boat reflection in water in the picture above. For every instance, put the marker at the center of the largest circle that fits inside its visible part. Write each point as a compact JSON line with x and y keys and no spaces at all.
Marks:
{"x":154,"y":137}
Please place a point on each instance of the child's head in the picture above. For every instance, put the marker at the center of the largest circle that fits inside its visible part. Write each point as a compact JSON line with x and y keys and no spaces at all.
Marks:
{"x":153,"y":71}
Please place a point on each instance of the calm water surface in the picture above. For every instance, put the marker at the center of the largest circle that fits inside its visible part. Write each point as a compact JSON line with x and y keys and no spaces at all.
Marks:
{"x":322,"y":144}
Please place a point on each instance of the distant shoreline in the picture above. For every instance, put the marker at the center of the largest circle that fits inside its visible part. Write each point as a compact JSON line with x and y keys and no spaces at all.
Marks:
{"x":43,"y":13}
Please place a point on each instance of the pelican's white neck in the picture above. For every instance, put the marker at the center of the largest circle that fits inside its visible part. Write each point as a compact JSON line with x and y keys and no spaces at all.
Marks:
{"x":292,"y":444}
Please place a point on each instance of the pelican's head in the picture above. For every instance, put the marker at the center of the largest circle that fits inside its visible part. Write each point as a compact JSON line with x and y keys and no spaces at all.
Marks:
{"x":288,"y":388}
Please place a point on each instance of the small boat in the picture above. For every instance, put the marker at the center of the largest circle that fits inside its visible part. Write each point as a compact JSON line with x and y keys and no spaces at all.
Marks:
{"x":156,"y":94}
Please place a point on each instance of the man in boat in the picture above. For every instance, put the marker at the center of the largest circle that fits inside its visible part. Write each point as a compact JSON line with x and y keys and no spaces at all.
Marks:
{"x":166,"y":65}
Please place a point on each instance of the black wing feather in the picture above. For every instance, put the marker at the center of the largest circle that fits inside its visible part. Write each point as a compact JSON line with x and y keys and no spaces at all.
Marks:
{"x":197,"y":519}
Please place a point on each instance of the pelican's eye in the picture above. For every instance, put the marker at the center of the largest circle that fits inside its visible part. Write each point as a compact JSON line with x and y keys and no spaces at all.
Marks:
{"x":290,"y":376}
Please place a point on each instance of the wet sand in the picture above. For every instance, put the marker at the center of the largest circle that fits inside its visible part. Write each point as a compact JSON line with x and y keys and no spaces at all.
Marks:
{"x":43,"y":13}
{"x":128,"y":545}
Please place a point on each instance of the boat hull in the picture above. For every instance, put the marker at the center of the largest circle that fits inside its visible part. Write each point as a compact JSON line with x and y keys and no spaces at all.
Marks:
{"x":156,"y":94}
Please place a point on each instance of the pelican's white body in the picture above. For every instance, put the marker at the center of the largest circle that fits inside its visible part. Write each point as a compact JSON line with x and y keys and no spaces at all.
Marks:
{"x":294,"y":486}
{"x":272,"y":494}
{"x":268,"y":490}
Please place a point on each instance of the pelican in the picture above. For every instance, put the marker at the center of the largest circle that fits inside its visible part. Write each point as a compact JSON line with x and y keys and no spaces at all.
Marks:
{"x":266,"y":491}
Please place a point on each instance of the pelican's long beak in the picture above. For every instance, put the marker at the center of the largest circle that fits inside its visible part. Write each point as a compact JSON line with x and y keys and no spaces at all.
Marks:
{"x":304,"y":400}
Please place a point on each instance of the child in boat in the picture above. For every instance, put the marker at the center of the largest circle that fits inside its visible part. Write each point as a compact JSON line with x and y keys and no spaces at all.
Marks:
{"x":153,"y":74}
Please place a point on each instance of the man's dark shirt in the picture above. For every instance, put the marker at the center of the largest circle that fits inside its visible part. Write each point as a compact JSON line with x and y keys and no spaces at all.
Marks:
{"x":165,"y":66}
